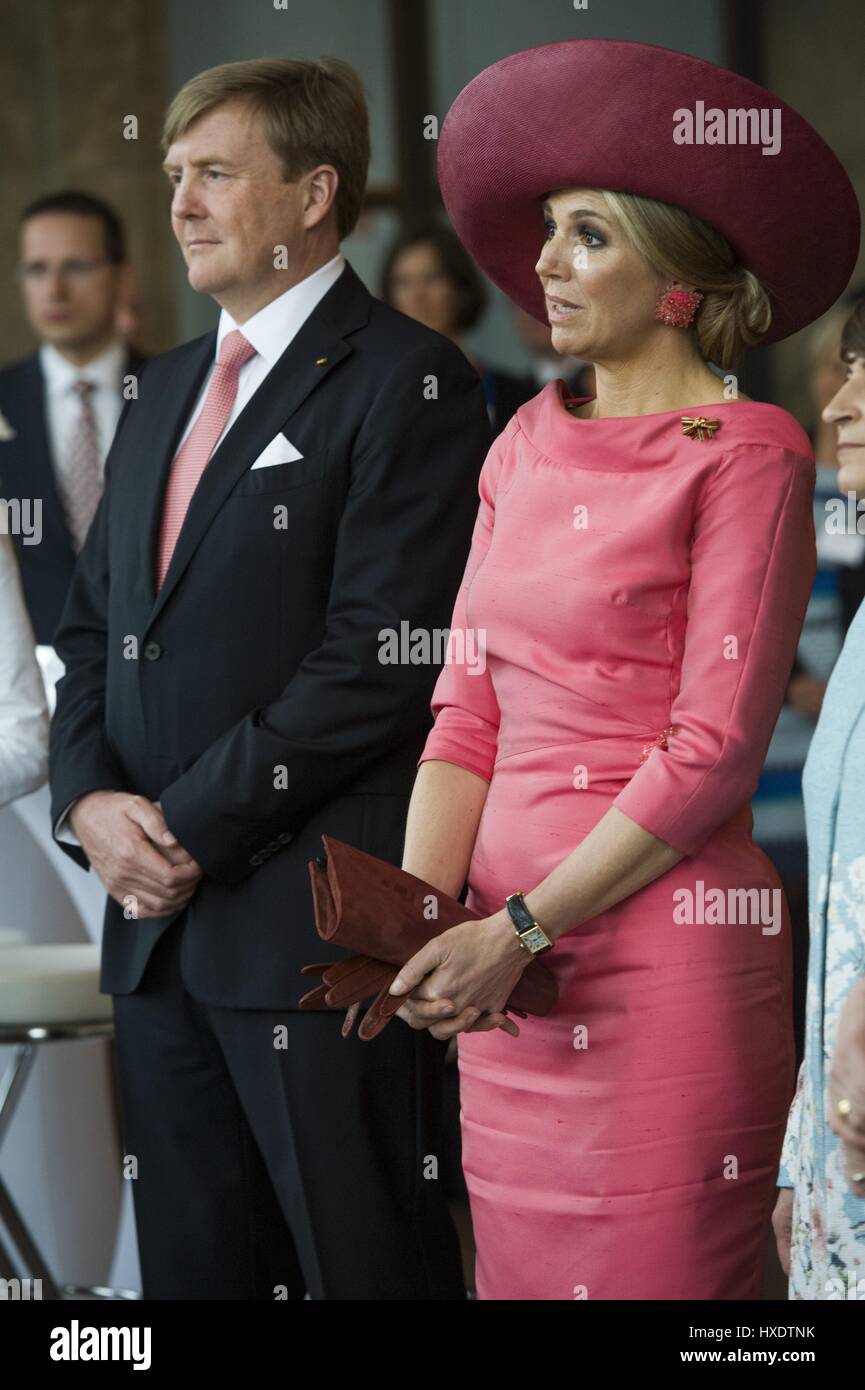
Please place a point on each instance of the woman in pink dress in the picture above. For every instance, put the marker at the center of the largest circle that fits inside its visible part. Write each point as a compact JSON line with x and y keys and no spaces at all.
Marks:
{"x":637,"y":581}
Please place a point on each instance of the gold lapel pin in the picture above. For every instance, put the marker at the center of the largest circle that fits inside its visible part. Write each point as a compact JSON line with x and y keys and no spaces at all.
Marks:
{"x":699,"y":427}
{"x":320,"y":361}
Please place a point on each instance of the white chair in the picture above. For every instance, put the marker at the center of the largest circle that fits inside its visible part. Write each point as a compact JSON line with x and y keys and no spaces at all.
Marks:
{"x":48,"y":994}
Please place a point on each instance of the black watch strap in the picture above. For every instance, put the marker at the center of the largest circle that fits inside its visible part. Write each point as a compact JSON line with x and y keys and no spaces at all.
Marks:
{"x":530,"y":932}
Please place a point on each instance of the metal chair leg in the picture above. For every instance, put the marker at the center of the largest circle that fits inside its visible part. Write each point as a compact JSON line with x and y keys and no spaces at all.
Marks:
{"x":7,"y":1268}
{"x":13,"y":1081}
{"x":25,"y":1244}
{"x":12,"y":1084}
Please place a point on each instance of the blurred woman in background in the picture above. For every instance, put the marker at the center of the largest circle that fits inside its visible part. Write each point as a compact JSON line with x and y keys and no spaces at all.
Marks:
{"x":820,"y":1214}
{"x":23,"y":707}
{"x":429,"y":276}
{"x":779,"y":815}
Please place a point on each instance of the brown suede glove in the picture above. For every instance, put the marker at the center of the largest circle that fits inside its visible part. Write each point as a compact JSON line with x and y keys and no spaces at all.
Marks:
{"x":385,"y":915}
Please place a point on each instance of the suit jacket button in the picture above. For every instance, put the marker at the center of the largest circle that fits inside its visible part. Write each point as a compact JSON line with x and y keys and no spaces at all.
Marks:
{"x":152,"y":651}
{"x":256,"y":859}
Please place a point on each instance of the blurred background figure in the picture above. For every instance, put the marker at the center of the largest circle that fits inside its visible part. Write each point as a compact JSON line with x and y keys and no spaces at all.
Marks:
{"x":818,"y":1218}
{"x":128,"y":315}
{"x":779,"y":813}
{"x":429,"y":276}
{"x":845,"y":550}
{"x":61,"y":404}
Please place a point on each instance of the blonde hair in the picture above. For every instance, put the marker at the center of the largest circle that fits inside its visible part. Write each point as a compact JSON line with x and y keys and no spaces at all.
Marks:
{"x":735,"y":313}
{"x":313,"y":113}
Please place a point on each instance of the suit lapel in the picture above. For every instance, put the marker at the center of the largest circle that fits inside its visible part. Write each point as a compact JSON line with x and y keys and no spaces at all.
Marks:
{"x":310,"y":356}
{"x":175,"y":395}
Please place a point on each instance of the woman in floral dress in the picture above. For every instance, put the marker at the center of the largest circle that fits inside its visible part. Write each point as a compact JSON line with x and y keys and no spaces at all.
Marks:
{"x":820,"y":1215}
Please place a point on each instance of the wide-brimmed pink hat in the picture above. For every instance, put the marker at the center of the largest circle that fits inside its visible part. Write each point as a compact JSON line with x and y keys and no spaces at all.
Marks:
{"x":603,"y":113}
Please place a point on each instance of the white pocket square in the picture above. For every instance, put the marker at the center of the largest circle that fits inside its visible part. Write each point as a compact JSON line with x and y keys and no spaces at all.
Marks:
{"x":279,"y":450}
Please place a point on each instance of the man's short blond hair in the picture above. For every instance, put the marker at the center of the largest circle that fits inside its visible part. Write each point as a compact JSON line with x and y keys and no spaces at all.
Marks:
{"x":313,"y":113}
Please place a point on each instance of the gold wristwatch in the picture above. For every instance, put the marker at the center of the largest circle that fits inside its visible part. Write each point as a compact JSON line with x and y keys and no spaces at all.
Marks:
{"x":530,"y":932}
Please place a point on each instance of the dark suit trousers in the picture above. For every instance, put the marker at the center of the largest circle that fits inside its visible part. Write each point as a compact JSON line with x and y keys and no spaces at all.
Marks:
{"x":275,"y":1157}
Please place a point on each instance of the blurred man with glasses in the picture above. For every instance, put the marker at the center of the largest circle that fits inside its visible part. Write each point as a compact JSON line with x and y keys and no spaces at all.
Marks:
{"x":60,"y":406}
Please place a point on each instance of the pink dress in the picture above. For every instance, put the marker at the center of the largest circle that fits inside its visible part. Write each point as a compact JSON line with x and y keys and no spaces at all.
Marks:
{"x":625,"y":580}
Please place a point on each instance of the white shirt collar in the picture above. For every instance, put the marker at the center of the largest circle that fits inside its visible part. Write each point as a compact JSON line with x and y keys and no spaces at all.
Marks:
{"x":106,"y":370}
{"x":271,"y":329}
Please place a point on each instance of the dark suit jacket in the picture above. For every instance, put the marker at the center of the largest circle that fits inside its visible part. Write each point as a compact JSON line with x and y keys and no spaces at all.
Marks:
{"x":505,"y":393}
{"x":249,"y":696}
{"x":27,"y":470}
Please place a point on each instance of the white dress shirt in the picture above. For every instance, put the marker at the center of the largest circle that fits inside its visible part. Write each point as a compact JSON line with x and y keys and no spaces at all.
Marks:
{"x":63,"y":408}
{"x":270,"y":331}
{"x":23,"y":707}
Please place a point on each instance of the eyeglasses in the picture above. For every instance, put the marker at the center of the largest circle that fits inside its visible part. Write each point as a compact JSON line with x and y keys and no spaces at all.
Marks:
{"x":33,"y":272}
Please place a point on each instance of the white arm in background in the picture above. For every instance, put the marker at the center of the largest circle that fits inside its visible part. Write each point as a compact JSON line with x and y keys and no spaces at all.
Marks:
{"x":23,"y":704}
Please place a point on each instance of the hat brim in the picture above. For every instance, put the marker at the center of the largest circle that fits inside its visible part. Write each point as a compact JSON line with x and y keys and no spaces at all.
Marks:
{"x":600,"y":113}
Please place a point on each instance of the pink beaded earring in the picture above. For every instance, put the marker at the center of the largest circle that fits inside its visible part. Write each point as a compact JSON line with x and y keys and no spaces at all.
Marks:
{"x":677,"y":307}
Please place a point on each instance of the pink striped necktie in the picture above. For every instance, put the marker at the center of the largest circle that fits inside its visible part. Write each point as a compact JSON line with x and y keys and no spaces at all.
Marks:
{"x":194,"y":454}
{"x":82,"y":485}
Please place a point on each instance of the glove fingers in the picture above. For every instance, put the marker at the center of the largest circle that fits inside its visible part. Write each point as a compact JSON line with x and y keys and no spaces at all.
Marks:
{"x":360,"y":985}
{"x":371,"y":1026}
{"x":381,"y":1011}
{"x":357,"y":978}
{"x":387,"y":1004}
{"x":346,"y":983}
{"x":343,"y":990}
{"x":350,"y":1016}
{"x":315,"y":999}
{"x":352,"y":978}
{"x":337,"y":970}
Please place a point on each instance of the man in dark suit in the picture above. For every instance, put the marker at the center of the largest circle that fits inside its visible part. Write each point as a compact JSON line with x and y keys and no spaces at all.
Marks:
{"x":269,"y":518}
{"x":60,"y":406}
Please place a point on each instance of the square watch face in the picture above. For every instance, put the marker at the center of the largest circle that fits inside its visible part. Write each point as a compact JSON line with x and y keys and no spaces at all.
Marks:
{"x":534,"y":938}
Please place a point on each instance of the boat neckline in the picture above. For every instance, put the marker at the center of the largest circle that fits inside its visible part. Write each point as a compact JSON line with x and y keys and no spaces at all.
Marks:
{"x":705,"y":407}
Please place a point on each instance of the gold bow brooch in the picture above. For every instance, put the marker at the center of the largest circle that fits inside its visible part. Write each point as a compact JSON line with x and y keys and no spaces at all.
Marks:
{"x":699,"y":427}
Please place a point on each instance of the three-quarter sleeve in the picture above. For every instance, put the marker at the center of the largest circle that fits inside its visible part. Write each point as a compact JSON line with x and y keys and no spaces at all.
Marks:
{"x":753,"y":561}
{"x":464,"y":702}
